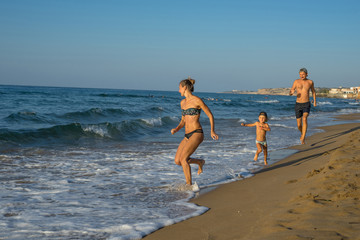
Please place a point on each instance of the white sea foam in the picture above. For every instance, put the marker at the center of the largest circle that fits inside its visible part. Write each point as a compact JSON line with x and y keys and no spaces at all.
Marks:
{"x":153,"y":121}
{"x":245,"y":173}
{"x":235,"y":175}
{"x":324,"y":103}
{"x":268,"y":101}
{"x":100,"y":130}
{"x":248,"y":150}
{"x":159,"y":108}
{"x":96,"y":110}
{"x":272,"y":118}
{"x":140,"y":230}
{"x":281,"y":118}
{"x":195,"y":187}
{"x":349,"y":111}
{"x":281,"y":125}
{"x":175,"y":118}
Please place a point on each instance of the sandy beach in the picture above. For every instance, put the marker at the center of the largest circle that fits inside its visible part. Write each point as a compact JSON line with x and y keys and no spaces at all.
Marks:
{"x":312,"y":194}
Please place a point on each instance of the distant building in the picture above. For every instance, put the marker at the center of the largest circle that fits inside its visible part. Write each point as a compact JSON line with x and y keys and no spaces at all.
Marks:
{"x":345,"y":92}
{"x":356,"y":90}
{"x":334,"y":91}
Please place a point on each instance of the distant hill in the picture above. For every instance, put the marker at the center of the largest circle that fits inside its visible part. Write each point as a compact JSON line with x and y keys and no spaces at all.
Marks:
{"x":320,"y":92}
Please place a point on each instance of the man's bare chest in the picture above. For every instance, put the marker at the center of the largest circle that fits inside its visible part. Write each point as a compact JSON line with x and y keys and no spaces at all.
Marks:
{"x":303,"y":87}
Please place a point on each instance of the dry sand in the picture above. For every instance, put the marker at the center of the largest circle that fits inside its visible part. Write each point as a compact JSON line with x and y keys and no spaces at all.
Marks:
{"x":312,"y":194}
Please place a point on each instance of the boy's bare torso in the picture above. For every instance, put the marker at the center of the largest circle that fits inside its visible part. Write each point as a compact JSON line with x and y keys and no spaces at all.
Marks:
{"x":260,"y":133}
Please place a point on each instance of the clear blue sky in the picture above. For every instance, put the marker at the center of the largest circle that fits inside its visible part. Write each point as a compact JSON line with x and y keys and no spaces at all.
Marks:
{"x":153,"y":44}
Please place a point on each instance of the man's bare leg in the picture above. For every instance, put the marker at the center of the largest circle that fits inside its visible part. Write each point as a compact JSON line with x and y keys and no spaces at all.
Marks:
{"x":304,"y":127}
{"x":299,"y":125}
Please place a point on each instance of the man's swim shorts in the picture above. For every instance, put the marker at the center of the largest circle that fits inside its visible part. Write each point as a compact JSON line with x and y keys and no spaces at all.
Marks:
{"x":301,"y":108}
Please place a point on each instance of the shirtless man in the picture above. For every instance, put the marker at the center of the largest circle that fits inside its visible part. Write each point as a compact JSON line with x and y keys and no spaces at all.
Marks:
{"x":302,"y":106}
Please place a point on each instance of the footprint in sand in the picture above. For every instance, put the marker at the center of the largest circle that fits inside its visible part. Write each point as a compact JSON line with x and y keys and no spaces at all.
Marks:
{"x":283,"y":226}
{"x":331,"y":167}
{"x":292,"y":181}
{"x":314,"y":172}
{"x":293,"y":211}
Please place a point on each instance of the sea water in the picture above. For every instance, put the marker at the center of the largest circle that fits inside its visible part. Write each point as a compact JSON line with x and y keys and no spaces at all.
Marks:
{"x":99,"y":163}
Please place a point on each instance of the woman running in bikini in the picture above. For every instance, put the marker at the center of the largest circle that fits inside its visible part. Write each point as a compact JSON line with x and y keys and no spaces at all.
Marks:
{"x":191,"y":107}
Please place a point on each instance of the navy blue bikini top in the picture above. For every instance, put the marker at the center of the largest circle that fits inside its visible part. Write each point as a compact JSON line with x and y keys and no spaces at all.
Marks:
{"x":191,"y":111}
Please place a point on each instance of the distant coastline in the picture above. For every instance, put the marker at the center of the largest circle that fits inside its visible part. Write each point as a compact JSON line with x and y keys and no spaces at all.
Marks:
{"x":320,"y":92}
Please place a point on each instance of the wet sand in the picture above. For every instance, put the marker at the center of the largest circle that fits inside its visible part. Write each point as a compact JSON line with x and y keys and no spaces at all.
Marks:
{"x":312,"y":194}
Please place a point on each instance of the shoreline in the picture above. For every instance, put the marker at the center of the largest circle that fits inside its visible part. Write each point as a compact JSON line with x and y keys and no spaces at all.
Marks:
{"x":280,"y":200}
{"x":285,"y":152}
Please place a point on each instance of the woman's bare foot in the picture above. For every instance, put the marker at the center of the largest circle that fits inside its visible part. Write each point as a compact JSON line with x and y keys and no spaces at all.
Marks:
{"x":201,"y":164}
{"x":256,"y":157}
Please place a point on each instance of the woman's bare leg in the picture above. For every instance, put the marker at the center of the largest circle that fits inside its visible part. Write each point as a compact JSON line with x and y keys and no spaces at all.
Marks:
{"x":179,"y":151}
{"x":199,"y":162}
{"x":185,"y":149}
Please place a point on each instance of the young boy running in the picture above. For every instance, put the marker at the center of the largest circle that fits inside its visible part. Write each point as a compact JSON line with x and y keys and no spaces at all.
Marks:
{"x":261,"y":128}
